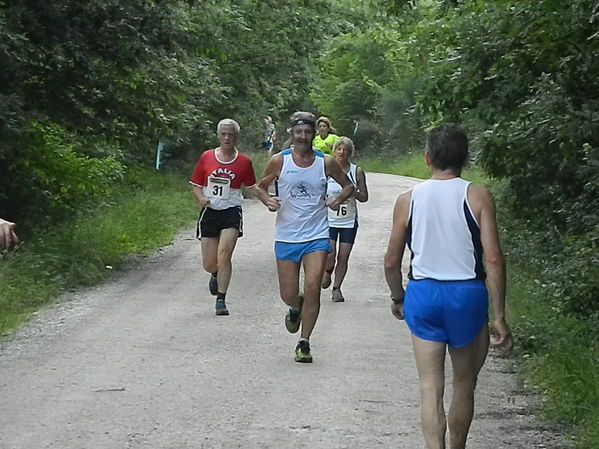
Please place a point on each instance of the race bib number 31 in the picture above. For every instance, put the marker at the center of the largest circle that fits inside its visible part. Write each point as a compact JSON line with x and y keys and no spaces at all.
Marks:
{"x":217,"y":187}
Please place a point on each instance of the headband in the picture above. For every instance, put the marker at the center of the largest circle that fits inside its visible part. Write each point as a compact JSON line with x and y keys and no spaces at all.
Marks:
{"x":302,"y":121}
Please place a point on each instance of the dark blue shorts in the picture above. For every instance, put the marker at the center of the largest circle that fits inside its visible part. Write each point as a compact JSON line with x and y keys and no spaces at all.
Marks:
{"x":295,"y":251}
{"x":452,"y":312}
{"x":345,"y":235}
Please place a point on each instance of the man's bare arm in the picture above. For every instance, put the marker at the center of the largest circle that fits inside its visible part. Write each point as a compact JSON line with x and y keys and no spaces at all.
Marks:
{"x":270,"y":175}
{"x":395,"y":252}
{"x":483,"y":203}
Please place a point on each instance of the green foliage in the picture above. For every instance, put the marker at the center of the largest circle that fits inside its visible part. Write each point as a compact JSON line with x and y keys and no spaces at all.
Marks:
{"x":104,"y":66}
{"x":561,"y":353}
{"x":60,"y":179}
{"x":366,"y":77}
{"x":116,"y":77}
{"x":566,"y":266}
{"x":146,"y":213}
{"x":353,"y":69}
{"x":512,"y":73}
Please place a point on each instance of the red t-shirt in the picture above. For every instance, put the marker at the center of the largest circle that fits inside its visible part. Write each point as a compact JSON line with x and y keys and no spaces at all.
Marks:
{"x":237,"y":172}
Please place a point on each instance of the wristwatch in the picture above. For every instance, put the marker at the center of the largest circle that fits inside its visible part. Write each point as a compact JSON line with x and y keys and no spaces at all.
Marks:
{"x":397,"y":300}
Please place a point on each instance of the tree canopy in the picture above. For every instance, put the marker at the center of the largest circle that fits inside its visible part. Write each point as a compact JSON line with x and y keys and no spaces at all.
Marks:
{"x":88,"y":88}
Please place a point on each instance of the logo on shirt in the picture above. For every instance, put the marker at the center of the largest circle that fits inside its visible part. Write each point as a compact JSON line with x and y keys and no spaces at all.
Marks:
{"x":300,"y":191}
{"x":219,"y":172}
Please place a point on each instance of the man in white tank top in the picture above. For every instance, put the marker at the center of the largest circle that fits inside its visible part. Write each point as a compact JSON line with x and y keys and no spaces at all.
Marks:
{"x":449,"y":226}
{"x":302,"y":231}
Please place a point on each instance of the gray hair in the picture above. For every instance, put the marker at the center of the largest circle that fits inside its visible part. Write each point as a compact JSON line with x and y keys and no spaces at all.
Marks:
{"x":228,"y":122}
{"x":346,"y":141}
{"x":302,"y":116}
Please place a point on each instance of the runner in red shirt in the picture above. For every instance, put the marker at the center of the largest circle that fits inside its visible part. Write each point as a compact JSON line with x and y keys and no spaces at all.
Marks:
{"x":217,"y":180}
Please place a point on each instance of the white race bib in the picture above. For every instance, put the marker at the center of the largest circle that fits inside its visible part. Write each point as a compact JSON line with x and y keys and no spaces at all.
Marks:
{"x":217,"y":187}
{"x":346,"y":211}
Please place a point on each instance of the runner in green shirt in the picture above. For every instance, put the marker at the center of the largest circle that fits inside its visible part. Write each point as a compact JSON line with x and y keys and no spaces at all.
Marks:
{"x":326,"y":137}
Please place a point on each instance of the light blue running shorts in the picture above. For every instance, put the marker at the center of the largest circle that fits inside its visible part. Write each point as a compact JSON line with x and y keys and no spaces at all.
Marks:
{"x":295,"y":251}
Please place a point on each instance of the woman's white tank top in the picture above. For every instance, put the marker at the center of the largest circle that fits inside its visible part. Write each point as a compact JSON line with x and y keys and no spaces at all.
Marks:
{"x":347,"y":214}
{"x":303,"y":213}
{"x":442,"y":233}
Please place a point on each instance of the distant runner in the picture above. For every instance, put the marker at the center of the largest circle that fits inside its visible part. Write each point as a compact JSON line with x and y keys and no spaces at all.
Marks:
{"x":326,"y":137}
{"x":217,"y":180}
{"x":302,"y":230}
{"x":270,"y":135}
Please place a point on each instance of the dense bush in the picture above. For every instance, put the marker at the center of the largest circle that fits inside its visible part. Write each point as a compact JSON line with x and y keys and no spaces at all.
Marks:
{"x":60,"y":177}
{"x":93,"y":86}
{"x":522,"y":77}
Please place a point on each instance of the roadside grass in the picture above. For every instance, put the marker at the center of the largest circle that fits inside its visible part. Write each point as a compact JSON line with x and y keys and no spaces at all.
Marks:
{"x":259,"y":161}
{"x":560,"y":357}
{"x":145,"y":214}
{"x":412,"y":165}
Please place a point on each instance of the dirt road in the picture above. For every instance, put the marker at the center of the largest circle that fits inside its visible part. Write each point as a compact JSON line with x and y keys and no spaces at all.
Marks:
{"x":142,"y":361}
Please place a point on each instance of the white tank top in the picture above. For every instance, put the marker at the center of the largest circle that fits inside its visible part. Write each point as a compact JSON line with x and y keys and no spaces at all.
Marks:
{"x":347,"y":214}
{"x":303,"y":213}
{"x":442,"y":233}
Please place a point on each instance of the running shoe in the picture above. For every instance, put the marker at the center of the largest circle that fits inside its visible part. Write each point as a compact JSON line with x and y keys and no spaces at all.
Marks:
{"x":326,"y":280}
{"x":220,"y":307}
{"x":213,"y":286}
{"x":337,"y":295}
{"x":293,"y":317}
{"x":302,"y":352}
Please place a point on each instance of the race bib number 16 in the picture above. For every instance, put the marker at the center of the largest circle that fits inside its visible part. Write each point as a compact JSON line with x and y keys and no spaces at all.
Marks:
{"x":217,"y":187}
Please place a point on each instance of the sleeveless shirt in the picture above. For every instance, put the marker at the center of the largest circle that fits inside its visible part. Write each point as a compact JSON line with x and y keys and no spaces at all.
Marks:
{"x":442,"y":232}
{"x":347,"y":214}
{"x":303,"y":213}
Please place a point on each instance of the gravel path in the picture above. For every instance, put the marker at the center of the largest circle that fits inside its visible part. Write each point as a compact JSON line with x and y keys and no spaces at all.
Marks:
{"x":141,"y":361}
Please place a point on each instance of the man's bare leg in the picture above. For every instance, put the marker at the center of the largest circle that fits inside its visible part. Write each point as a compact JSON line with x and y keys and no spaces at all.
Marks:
{"x":467,"y":362}
{"x":430,"y":362}
{"x":209,"y":247}
{"x":314,"y":264}
{"x":226,"y":245}
{"x":288,"y":272}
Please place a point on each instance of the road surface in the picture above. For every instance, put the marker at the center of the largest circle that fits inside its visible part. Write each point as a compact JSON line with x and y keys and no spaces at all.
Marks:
{"x":141,"y":361}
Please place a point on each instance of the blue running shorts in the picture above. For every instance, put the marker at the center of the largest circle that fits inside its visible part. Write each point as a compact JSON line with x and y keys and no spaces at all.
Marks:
{"x":295,"y":251}
{"x":452,"y":312}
